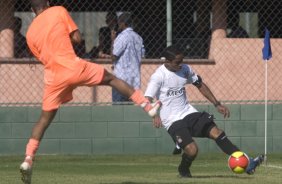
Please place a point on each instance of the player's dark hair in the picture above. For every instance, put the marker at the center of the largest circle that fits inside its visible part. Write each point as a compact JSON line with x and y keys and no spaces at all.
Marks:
{"x":125,"y":18}
{"x":38,"y":4}
{"x":171,"y":51}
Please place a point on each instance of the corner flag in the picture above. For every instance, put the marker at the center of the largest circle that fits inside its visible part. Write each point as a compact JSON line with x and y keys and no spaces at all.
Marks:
{"x":266,"y":55}
{"x":266,"y":51}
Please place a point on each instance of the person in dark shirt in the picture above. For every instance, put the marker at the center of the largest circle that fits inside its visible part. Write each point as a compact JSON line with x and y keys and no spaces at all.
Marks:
{"x":107,"y":35}
{"x":80,"y":48}
{"x":20,"y":46}
{"x":237,"y":31}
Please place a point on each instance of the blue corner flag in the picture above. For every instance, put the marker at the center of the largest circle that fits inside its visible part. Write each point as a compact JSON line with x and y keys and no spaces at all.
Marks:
{"x":266,"y":50}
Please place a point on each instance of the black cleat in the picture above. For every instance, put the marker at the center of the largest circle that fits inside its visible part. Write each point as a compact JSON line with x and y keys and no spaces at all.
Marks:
{"x":176,"y":151}
{"x":254,"y":163}
{"x":184,"y":171}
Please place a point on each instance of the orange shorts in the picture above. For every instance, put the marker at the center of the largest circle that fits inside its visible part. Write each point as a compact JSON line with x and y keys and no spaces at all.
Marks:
{"x":60,"y":91}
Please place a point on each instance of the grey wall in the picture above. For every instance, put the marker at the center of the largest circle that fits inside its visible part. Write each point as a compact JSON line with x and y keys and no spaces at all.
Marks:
{"x":128,"y":130}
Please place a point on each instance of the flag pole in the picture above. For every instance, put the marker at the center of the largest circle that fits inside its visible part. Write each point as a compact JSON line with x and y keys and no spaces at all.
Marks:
{"x":266,"y":55}
{"x":265,"y":114}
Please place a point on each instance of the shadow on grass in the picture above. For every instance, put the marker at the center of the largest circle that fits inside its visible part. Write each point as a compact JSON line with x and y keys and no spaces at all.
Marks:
{"x":194,"y":177}
{"x":222,"y":176}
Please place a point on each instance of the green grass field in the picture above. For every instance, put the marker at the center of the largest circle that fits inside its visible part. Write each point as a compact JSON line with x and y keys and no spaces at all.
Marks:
{"x":135,"y":169}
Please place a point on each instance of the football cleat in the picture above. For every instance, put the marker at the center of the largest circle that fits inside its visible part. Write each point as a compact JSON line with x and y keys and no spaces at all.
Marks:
{"x":184,"y":171}
{"x":26,"y":170}
{"x":176,"y":151}
{"x":152,"y":108}
{"x":254,"y":163}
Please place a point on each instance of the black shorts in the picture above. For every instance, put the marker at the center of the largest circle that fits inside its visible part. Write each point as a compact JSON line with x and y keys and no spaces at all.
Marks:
{"x":197,"y":124}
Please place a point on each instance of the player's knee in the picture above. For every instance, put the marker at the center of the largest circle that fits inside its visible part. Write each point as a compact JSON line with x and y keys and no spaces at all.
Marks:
{"x":191,"y":149}
{"x":215,"y":132}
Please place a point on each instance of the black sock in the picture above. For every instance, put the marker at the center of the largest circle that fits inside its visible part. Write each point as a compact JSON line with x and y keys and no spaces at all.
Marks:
{"x":187,"y":160}
{"x":225,"y":144}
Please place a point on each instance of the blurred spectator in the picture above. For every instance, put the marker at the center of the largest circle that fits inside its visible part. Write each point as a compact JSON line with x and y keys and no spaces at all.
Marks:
{"x":80,"y":48}
{"x":126,"y":55}
{"x":20,"y":46}
{"x":237,"y":31}
{"x":106,"y":37}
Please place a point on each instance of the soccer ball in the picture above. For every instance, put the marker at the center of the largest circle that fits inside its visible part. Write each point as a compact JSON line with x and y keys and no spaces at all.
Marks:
{"x":238,"y":162}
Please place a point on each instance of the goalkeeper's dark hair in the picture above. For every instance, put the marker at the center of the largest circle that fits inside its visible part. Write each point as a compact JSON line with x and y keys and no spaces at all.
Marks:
{"x":171,"y":51}
{"x":38,"y":4}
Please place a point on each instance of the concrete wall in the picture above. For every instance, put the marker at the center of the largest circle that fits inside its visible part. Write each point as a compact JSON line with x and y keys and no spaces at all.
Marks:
{"x":128,"y":130}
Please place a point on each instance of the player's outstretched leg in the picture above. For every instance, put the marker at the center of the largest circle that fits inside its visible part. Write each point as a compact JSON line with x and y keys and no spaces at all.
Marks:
{"x":26,"y":170}
{"x":254,"y":163}
{"x":135,"y":95}
{"x":226,"y":146}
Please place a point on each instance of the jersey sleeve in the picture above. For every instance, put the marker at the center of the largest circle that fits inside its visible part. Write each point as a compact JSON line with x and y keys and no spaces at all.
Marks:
{"x":119,"y":45}
{"x":154,"y":86}
{"x":71,"y":26}
{"x":192,"y":76}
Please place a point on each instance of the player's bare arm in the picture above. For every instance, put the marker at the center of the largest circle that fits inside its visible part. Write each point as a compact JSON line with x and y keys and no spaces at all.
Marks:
{"x":206,"y":92}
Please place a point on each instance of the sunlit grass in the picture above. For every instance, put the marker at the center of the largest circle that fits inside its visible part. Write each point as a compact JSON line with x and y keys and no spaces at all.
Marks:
{"x":134,"y":169}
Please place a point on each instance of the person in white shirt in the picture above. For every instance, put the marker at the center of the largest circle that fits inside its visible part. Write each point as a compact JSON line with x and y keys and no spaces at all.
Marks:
{"x":180,"y":118}
{"x":126,"y":56}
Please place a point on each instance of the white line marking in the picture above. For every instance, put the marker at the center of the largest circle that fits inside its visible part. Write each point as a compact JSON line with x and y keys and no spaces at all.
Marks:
{"x":273,"y":166}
